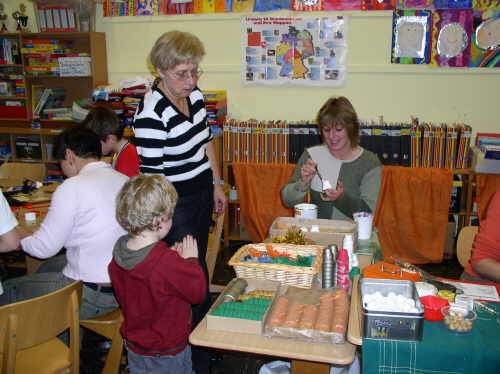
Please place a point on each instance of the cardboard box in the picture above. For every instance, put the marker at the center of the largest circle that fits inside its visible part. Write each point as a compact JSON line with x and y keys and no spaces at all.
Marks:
{"x":238,"y":324}
{"x":22,"y":170}
{"x":330,"y":231}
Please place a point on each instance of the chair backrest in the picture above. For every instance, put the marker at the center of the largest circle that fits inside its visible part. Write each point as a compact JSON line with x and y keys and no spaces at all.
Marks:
{"x":26,"y":324}
{"x":108,"y":325}
{"x":214,"y":245}
{"x":464,"y":244}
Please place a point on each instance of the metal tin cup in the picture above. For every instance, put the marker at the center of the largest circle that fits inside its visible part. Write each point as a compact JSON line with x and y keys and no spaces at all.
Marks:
{"x":236,"y":289}
{"x":305,"y":210}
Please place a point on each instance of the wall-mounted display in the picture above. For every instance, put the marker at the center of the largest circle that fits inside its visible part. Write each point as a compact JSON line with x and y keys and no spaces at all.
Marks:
{"x":485,"y":47}
{"x":450,"y":37}
{"x":411,"y":36}
{"x":294,"y":50}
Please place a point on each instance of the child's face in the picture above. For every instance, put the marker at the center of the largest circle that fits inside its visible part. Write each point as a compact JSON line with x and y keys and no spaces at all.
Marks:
{"x":164,"y":227}
{"x":109,"y":145}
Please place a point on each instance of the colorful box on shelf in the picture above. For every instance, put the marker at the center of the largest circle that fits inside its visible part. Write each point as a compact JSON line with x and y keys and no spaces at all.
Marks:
{"x":13,"y":108}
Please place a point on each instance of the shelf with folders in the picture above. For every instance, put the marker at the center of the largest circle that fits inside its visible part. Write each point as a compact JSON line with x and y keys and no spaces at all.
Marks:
{"x":402,"y":144}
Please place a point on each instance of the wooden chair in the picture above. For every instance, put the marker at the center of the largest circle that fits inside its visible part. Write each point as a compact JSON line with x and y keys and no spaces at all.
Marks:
{"x":29,"y":330}
{"x":464,"y":244}
{"x":213,"y":249}
{"x":108,"y":326}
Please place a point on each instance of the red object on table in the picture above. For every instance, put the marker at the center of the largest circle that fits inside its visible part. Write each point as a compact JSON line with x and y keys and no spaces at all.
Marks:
{"x":432,"y":307}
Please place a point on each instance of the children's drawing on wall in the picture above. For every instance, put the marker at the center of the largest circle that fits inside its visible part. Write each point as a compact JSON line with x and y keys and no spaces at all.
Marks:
{"x":411,"y":37}
{"x":452,"y":40}
{"x":416,"y":4}
{"x":485,"y":49}
{"x":451,"y":37}
{"x":294,"y":50}
{"x":146,"y":7}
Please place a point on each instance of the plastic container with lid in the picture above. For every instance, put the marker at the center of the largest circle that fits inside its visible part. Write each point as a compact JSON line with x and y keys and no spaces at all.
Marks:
{"x":458,"y":320}
{"x":432,"y":307}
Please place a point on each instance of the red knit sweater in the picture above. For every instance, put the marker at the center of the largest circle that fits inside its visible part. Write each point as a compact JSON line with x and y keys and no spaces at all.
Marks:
{"x":155,"y":297}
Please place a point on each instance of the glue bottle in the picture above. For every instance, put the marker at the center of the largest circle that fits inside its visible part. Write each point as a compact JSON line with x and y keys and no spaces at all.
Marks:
{"x":342,"y":270}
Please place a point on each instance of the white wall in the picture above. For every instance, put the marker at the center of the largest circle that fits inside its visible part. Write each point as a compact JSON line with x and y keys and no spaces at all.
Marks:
{"x":373,"y":85}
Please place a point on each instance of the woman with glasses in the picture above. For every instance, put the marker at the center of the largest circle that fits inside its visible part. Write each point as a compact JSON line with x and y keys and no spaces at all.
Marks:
{"x":173,"y":139}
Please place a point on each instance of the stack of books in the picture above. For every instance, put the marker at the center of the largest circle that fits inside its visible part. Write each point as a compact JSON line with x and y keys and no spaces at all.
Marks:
{"x":216,"y":107}
{"x":42,"y":56}
{"x":9,"y":52}
{"x":12,"y":84}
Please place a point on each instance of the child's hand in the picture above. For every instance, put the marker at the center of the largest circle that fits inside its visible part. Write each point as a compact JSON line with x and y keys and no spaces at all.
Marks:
{"x":188,"y":247}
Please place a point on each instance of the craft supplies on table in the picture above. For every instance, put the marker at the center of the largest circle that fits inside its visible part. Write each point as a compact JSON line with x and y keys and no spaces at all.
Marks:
{"x":242,"y":309}
{"x":317,"y":315}
{"x":286,"y":273}
{"x":326,"y":231}
{"x":380,"y":324}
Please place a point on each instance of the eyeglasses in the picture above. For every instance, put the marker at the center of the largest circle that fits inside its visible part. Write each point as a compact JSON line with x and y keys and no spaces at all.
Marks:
{"x":184,"y":75}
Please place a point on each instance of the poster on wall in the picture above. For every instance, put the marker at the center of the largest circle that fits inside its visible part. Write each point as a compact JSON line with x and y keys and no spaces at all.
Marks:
{"x":307,"y":51}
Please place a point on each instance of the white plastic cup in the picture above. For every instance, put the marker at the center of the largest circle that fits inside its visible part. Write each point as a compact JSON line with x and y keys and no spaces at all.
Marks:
{"x":306,"y":211}
{"x":365,"y":222}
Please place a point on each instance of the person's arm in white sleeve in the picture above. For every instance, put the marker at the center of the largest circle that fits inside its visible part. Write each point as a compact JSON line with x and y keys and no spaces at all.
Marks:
{"x":9,"y":236}
{"x":57,"y":226}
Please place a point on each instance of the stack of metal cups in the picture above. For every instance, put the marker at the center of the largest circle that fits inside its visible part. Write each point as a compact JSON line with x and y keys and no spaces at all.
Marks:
{"x":328,"y":274}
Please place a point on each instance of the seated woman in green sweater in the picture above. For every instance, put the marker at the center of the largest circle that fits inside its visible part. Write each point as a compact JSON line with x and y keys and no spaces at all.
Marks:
{"x":342,"y":177}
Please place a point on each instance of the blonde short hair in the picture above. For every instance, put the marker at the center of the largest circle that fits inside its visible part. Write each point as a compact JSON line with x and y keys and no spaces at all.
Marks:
{"x":144,"y":201}
{"x":174,"y":48}
{"x":338,"y":111}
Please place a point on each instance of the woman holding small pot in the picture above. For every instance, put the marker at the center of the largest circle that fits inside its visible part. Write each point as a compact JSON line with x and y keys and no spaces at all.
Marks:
{"x":342,"y":177}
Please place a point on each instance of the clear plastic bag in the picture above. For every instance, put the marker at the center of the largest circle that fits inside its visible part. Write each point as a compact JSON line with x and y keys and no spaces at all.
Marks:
{"x":318,"y":315}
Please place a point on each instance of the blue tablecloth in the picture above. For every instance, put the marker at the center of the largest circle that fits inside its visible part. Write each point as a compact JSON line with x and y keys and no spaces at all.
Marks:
{"x":440,"y":351}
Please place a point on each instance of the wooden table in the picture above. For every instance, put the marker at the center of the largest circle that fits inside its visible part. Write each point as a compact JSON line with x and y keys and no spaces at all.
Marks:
{"x":306,"y":357}
{"x":38,"y":202}
{"x":354,"y":332}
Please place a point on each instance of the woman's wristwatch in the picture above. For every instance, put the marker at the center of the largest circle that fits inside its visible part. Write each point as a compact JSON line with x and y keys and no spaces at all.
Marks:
{"x":219,"y":181}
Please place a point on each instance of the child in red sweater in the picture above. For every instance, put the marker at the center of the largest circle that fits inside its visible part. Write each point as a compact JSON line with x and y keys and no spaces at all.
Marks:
{"x":106,"y":124}
{"x":154,"y":284}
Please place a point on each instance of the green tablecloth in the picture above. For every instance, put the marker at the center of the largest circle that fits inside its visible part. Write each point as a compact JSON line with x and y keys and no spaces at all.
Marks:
{"x":440,"y":351}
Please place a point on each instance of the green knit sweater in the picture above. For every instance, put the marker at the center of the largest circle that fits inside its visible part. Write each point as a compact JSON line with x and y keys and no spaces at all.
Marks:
{"x":361,"y":179}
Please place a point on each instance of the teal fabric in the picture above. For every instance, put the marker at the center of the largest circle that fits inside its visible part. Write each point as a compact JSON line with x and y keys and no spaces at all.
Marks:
{"x":440,"y":351}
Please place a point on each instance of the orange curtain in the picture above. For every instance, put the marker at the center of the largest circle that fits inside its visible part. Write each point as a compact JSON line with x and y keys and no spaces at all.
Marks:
{"x":259,"y":194}
{"x":486,"y":185}
{"x":412,"y":213}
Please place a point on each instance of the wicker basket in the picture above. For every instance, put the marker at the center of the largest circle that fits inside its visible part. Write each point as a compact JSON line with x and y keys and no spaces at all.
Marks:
{"x":290,"y":275}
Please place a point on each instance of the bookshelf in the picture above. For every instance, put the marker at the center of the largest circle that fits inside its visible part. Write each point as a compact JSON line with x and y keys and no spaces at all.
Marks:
{"x":17,"y":100}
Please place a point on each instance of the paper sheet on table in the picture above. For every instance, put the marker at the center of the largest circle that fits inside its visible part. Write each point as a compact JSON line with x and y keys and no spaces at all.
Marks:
{"x":477,"y":291}
{"x":328,"y":167}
